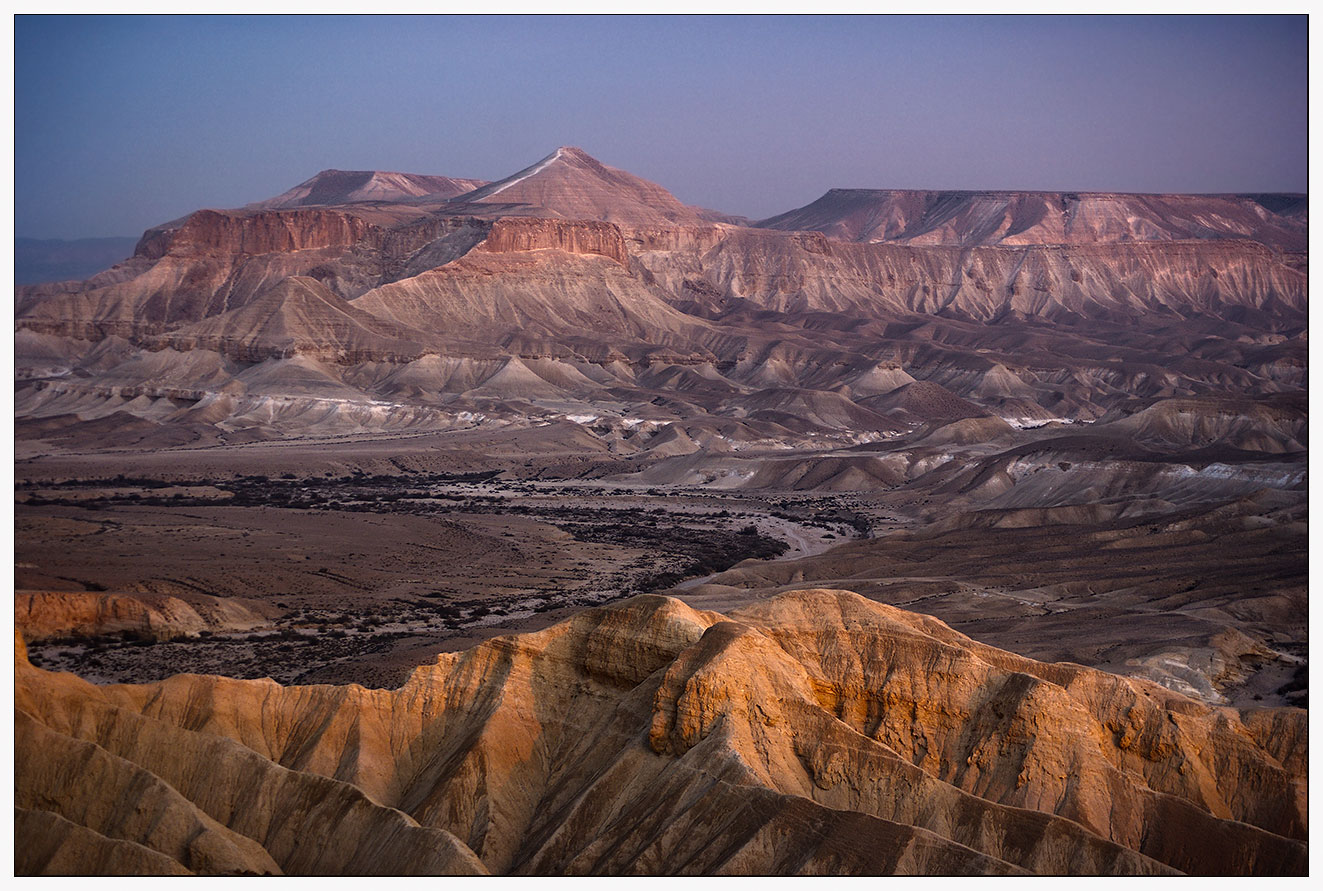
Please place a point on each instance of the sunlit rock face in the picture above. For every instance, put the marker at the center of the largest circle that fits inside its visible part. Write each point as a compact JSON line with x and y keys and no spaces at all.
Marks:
{"x":816,"y":732}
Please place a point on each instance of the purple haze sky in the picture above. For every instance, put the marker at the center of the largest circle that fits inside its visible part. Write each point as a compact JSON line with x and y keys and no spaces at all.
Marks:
{"x":125,"y":122}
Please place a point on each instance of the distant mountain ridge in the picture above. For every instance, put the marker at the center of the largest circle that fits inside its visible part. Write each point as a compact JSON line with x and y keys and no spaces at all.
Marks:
{"x":795,"y":320}
{"x":1014,"y":217}
{"x":571,"y":184}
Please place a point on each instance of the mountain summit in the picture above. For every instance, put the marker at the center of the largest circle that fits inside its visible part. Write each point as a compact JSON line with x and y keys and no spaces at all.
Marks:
{"x":572,"y":184}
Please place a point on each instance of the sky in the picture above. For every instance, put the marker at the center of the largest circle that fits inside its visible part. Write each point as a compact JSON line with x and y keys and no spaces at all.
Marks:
{"x":122,"y":123}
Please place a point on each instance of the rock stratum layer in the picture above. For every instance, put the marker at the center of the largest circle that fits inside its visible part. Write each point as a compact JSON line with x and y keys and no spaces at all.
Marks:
{"x":816,"y":732}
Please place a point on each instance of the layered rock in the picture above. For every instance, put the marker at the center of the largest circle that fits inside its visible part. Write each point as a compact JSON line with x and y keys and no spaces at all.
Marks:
{"x":488,"y":296}
{"x":797,"y":273}
{"x":236,"y":232}
{"x":586,"y":237}
{"x":53,"y":615}
{"x":299,"y":316}
{"x":982,"y":218}
{"x":814,"y":733}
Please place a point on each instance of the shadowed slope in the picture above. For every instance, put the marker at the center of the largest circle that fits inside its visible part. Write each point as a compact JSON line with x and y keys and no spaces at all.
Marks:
{"x":299,"y":316}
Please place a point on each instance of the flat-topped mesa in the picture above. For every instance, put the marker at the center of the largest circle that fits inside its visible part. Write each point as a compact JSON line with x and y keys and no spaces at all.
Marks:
{"x":572,"y":236}
{"x":264,"y":232}
{"x":925,"y":217}
{"x":332,"y":187}
{"x":797,"y":271}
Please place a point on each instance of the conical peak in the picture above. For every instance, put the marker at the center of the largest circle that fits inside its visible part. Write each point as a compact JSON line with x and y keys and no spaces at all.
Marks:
{"x":571,"y":184}
{"x":565,"y":160}
{"x":575,"y":153}
{"x":568,"y":154}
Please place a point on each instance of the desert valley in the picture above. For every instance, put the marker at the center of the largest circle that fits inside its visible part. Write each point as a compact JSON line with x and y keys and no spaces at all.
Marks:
{"x":405,"y":524}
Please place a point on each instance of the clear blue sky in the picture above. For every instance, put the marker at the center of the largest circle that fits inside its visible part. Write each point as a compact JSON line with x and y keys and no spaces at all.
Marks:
{"x":125,"y":122}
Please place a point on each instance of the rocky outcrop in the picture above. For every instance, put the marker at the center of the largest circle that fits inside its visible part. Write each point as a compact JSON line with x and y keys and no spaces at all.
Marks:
{"x":55,"y":615}
{"x":299,"y":316}
{"x":817,"y":732}
{"x":488,"y":297}
{"x":236,"y":232}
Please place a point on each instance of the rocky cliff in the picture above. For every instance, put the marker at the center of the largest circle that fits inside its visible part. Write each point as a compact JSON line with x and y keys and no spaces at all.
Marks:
{"x":578,"y":237}
{"x":806,"y":272}
{"x":53,"y":615}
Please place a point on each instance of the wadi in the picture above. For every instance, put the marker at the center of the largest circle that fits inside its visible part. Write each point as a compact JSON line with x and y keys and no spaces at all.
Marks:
{"x":410,"y":524}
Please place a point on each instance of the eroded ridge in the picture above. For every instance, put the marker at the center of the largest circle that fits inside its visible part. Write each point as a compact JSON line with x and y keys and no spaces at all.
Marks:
{"x":814,"y":732}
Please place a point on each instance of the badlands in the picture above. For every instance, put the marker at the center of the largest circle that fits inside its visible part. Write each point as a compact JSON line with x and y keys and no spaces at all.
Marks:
{"x":406,"y":524}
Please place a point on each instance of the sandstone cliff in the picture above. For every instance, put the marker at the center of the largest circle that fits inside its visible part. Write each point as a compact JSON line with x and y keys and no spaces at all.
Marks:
{"x":47,"y":615}
{"x":570,"y":183}
{"x":817,"y":732}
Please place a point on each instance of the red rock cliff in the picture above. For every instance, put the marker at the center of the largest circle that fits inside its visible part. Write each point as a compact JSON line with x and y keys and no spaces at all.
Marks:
{"x":572,"y":236}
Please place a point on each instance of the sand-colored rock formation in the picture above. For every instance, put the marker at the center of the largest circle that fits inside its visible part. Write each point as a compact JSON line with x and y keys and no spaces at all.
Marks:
{"x":815,"y":733}
{"x":53,"y":615}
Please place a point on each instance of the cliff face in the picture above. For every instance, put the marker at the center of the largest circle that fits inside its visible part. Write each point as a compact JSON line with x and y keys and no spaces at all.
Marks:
{"x":59,"y":614}
{"x":218,"y":232}
{"x":577,"y":237}
{"x":526,"y":284}
{"x":814,"y":733}
{"x":217,"y":264}
{"x":805,"y":272}
{"x":299,"y":316}
{"x":970,"y":255}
